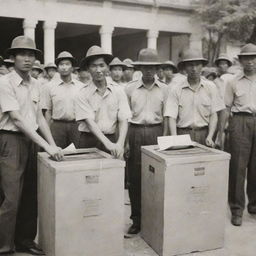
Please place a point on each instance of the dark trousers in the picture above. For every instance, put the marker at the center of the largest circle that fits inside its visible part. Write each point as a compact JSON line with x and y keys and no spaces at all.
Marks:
{"x":138,"y":136}
{"x":14,"y":149}
{"x":198,"y":135}
{"x":242,"y":130}
{"x":65,"y":132}
{"x":26,"y":226}
{"x":89,"y":140}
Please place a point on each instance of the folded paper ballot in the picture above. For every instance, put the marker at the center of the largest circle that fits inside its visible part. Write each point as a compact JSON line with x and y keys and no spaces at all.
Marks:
{"x":70,"y":148}
{"x":174,"y":142}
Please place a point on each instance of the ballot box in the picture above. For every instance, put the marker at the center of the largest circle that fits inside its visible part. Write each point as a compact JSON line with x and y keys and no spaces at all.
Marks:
{"x":81,"y":204}
{"x":184,"y":199}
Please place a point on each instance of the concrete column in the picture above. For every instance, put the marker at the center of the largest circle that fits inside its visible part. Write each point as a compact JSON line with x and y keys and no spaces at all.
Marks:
{"x":29,"y":26}
{"x":106,"y":38}
{"x":152,"y":36}
{"x":49,"y":41}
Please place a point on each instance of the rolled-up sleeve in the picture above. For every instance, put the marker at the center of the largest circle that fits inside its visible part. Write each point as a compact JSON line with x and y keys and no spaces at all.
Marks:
{"x":217,"y":103}
{"x":8,"y":100}
{"x":172,"y":104}
{"x":83,"y":109}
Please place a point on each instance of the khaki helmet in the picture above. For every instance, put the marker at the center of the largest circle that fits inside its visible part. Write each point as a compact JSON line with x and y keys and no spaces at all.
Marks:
{"x":95,"y":51}
{"x":169,"y":63}
{"x":248,"y":50}
{"x":65,"y":56}
{"x":22,"y":43}
{"x":147,"y":57}
{"x":192,"y":55}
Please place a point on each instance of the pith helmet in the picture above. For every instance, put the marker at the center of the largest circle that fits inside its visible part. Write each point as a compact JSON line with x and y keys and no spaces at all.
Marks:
{"x":50,"y":65}
{"x":169,"y":63}
{"x":147,"y":57}
{"x":117,"y":62}
{"x":8,"y":61}
{"x":248,"y":50}
{"x":128,"y":63}
{"x":22,"y":43}
{"x":95,"y":51}
{"x":223,"y":57}
{"x":65,"y":56}
{"x":192,"y":55}
{"x":37,"y":66}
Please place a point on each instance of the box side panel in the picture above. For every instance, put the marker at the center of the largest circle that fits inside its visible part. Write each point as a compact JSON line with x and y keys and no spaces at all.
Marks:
{"x":195,"y":207}
{"x":46,"y":210}
{"x":152,"y":202}
{"x":90,"y":212}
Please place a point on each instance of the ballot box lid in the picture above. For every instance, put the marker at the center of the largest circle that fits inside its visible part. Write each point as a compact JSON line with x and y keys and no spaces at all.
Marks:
{"x":82,"y":159}
{"x":192,"y":154}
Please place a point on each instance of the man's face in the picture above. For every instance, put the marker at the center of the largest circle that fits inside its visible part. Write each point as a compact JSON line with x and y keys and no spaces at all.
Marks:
{"x":24,"y":60}
{"x":84,"y":75}
{"x":116,"y":73}
{"x":98,"y":69}
{"x":35,"y":73}
{"x":128,"y":74}
{"x":248,"y":63}
{"x":148,"y":72}
{"x":160,"y":73}
{"x":193,"y":69}
{"x":168,"y":72}
{"x":51,"y":72}
{"x":65,"y":67}
{"x":223,"y":66}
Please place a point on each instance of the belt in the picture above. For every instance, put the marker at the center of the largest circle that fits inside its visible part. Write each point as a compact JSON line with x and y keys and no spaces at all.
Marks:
{"x":12,"y":132}
{"x":91,"y":134}
{"x":145,"y":125}
{"x":64,"y":121}
{"x":193,"y":128}
{"x":244,"y":114}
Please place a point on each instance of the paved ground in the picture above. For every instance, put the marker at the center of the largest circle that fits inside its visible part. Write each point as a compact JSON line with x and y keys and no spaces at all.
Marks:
{"x":240,"y":241}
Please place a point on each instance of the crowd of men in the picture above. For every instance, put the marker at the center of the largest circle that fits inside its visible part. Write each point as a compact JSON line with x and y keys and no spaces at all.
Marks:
{"x":118,"y":106}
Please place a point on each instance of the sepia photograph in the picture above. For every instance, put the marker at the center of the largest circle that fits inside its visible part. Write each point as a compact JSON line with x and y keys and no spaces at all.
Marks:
{"x":128,"y":127}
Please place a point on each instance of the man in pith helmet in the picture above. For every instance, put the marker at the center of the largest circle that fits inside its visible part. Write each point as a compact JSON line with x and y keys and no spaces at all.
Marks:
{"x":20,"y":120}
{"x":147,"y":97}
{"x":240,"y":99}
{"x":192,"y":105}
{"x":102,"y":107}
{"x":60,"y":102}
{"x":116,"y":67}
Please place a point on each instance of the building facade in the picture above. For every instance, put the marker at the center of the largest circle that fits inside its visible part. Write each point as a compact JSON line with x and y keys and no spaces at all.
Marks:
{"x":121,"y":27}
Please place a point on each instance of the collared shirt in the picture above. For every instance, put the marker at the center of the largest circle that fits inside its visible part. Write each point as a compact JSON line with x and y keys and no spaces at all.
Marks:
{"x":241,"y":94}
{"x":18,"y":95}
{"x":60,"y":98}
{"x":147,"y":104}
{"x":193,"y":107}
{"x":105,"y":110}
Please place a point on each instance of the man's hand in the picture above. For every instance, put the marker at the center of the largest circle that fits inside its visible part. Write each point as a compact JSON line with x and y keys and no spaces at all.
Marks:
{"x":209,"y":142}
{"x":55,"y":152}
{"x":126,"y":150}
{"x":116,"y":150}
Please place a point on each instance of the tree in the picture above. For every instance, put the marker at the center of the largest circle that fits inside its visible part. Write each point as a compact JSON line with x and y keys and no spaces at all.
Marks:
{"x":232,"y":20}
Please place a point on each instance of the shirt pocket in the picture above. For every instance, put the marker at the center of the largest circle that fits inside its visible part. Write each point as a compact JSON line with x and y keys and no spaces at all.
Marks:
{"x":241,"y":98}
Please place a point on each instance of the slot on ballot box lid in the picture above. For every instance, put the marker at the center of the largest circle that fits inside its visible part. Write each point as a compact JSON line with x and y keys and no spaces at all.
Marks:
{"x":84,"y":158}
{"x":183,"y":153}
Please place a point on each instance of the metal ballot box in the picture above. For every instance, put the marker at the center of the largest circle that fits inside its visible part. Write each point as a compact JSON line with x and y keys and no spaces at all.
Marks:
{"x":81,"y":204}
{"x":184,"y":199}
